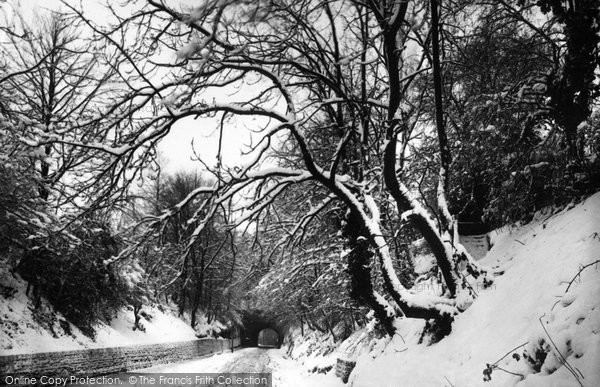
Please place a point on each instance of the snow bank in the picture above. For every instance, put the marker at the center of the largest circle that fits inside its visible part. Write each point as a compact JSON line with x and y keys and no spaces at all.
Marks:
{"x":528,"y":304}
{"x":290,"y":373}
{"x":23,"y":329}
{"x":160,"y":327}
{"x":312,"y":355}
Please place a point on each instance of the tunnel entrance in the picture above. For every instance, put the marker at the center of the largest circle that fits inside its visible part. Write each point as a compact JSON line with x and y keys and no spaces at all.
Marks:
{"x":260,"y":330}
{"x":268,"y":338}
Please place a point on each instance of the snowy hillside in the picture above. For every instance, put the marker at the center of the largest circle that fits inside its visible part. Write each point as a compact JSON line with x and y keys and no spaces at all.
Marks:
{"x":541,"y":306}
{"x":527,"y":311}
{"x":23,"y":329}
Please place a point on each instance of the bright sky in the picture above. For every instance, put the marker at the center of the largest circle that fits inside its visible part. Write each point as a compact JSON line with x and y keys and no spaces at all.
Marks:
{"x":176,"y":148}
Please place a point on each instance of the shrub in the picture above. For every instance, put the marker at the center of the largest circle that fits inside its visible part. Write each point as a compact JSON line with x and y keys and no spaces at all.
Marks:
{"x":74,"y":279}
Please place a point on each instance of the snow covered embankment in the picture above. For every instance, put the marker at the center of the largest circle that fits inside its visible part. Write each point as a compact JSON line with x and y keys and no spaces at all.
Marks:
{"x":25,"y":329}
{"x":541,"y":314}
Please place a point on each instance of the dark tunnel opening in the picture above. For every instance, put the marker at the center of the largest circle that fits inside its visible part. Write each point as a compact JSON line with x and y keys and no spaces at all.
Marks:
{"x":259,"y":330}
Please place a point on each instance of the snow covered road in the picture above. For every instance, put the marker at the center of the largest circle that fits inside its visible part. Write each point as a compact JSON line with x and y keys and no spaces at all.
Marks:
{"x":248,"y":360}
{"x":286,"y":372}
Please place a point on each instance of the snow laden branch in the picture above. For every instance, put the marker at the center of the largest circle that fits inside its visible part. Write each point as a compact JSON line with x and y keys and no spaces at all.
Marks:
{"x":410,"y":305}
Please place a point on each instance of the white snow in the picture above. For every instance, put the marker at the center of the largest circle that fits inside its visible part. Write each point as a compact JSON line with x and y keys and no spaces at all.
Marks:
{"x":210,"y":364}
{"x":286,"y":372}
{"x":290,"y":373}
{"x":164,"y":327}
{"x":422,"y":258}
{"x":540,"y":258}
{"x":26,"y":330}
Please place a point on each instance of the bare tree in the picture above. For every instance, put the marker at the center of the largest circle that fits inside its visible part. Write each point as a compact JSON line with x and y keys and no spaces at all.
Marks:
{"x":55,"y":80}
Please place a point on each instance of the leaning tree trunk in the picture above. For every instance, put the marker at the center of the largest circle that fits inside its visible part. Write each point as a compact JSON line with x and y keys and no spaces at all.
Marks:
{"x":448,"y":252}
{"x":410,"y":208}
{"x":359,"y":268}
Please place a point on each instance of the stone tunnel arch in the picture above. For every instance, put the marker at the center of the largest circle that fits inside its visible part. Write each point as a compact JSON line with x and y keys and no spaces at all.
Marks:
{"x":253,"y":323}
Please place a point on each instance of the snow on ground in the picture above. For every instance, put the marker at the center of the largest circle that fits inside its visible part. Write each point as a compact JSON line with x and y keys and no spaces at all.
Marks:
{"x":210,"y":364}
{"x":528,"y":304}
{"x":26,"y":330}
{"x":290,"y":373}
{"x":285,"y":371}
{"x":162,"y":328}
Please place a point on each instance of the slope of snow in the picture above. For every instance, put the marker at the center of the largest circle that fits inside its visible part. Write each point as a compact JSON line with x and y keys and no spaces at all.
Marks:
{"x":528,"y":307}
{"x":163,"y":327}
{"x":23,"y":329}
{"x":290,"y":373}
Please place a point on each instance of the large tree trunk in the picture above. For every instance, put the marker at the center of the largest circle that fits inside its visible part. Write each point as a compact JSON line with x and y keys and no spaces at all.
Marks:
{"x":359,"y":268}
{"x":412,"y":209}
{"x":446,"y":251}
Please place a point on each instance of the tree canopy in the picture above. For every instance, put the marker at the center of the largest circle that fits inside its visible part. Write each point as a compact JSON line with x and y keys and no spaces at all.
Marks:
{"x":373,"y":124}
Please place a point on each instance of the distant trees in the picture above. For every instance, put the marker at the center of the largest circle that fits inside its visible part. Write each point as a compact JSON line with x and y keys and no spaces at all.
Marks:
{"x":195,"y":276}
{"x":299,"y":274}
